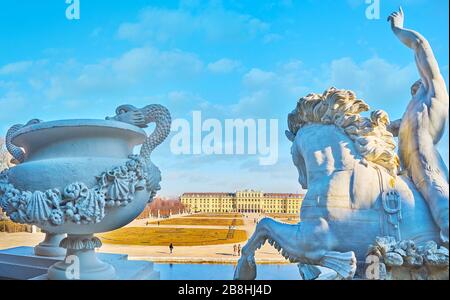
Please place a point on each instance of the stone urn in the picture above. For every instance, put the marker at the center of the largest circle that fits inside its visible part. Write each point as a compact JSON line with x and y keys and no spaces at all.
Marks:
{"x":80,"y":177}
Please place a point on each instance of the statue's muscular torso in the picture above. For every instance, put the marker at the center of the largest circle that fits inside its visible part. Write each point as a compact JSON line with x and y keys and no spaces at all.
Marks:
{"x":418,"y":135}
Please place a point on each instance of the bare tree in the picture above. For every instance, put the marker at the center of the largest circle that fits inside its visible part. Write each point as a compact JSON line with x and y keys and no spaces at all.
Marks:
{"x":5,"y":162}
{"x":5,"y":157}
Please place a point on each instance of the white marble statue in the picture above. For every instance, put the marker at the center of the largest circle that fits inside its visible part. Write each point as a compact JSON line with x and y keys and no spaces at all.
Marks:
{"x":423,"y":125}
{"x":80,"y":177}
{"x":359,"y":201}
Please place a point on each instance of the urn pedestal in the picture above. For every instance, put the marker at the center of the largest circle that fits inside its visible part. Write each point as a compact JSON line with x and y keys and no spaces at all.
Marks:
{"x":21,"y":263}
{"x":81,"y":256}
{"x":49,"y":247}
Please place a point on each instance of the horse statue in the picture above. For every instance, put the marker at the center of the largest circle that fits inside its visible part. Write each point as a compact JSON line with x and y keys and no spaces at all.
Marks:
{"x":349,"y":166}
{"x":365,"y":206}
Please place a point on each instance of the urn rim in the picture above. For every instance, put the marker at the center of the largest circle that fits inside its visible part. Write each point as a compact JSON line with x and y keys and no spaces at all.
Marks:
{"x":74,"y":123}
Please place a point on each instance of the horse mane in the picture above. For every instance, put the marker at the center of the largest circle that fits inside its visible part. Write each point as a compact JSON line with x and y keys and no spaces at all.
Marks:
{"x":341,"y":108}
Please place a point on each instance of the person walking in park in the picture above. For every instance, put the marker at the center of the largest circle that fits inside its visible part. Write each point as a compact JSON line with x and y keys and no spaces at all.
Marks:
{"x":234,"y":249}
{"x":171,"y":248}
{"x":239,"y":250}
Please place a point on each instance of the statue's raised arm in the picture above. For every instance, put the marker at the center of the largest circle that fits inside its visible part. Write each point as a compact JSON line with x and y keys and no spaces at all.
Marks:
{"x":426,"y":62}
{"x":423,"y":125}
{"x":432,"y":84}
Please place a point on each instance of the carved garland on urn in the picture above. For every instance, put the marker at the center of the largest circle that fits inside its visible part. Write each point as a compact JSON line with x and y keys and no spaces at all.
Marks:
{"x":77,"y":203}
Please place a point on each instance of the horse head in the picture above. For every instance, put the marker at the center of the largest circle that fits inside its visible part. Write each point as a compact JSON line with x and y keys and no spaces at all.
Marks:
{"x":328,"y":133}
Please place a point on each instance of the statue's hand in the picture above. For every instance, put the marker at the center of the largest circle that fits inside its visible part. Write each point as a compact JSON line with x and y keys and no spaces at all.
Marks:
{"x":397,"y":19}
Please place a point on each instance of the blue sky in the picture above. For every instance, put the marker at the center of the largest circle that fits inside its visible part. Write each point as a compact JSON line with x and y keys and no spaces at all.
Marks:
{"x":229,"y":59}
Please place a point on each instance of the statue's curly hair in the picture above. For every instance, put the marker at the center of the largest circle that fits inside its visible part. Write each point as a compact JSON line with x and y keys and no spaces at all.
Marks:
{"x":342,"y":108}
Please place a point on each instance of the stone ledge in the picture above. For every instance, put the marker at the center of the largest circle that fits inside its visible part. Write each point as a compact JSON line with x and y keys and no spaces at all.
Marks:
{"x":20,"y":263}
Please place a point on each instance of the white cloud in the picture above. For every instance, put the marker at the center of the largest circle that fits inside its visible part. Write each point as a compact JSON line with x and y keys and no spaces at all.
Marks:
{"x":355,"y":3}
{"x":14,"y":68}
{"x":381,"y":84}
{"x":211,"y":22}
{"x":11,"y":103}
{"x":157,"y":25}
{"x":138,"y":61}
{"x":271,"y":37}
{"x":258,"y":78}
{"x":133,"y":68}
{"x":96,"y":32}
{"x":224,"y":65}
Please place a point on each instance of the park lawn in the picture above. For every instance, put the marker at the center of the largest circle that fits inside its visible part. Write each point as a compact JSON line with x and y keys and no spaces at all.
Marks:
{"x":200,"y":222}
{"x":151,"y":236}
{"x":214,"y":215}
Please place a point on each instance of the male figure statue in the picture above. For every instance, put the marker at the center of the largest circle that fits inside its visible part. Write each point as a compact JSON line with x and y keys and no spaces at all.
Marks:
{"x":423,"y":125}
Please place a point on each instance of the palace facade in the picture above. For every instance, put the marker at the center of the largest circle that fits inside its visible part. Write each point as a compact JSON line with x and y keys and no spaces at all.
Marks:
{"x":247,"y":201}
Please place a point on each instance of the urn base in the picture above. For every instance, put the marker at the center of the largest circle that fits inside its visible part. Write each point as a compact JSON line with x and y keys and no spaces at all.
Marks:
{"x":81,"y":262}
{"x":49,"y":247}
{"x":21,"y":263}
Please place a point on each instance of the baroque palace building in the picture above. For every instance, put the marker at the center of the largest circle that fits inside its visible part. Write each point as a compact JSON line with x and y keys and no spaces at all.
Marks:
{"x":247,"y":201}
